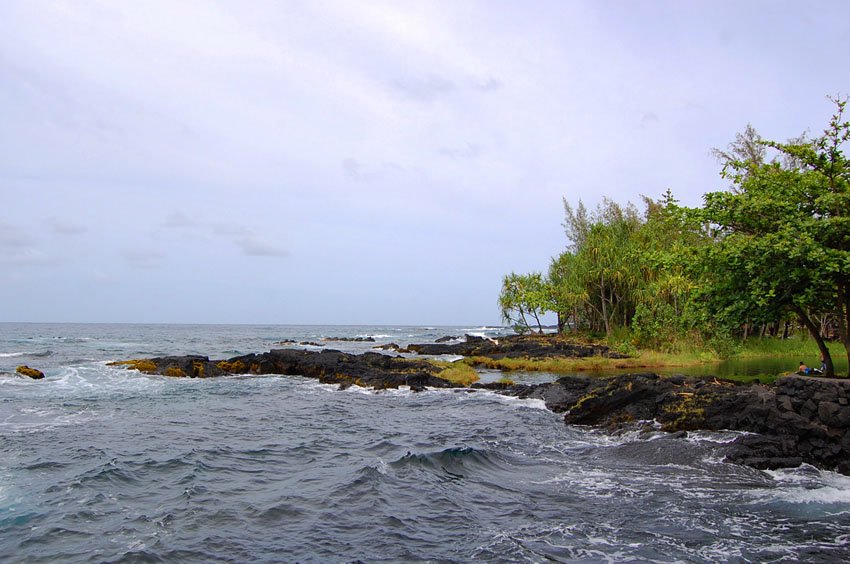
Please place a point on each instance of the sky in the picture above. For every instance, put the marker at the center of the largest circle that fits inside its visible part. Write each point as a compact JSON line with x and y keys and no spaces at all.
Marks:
{"x":374,"y":162}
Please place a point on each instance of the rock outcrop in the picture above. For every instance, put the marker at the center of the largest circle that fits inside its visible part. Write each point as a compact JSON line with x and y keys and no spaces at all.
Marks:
{"x":798,"y":420}
{"x":516,"y":346}
{"x":370,"y":369}
{"x":31,"y":372}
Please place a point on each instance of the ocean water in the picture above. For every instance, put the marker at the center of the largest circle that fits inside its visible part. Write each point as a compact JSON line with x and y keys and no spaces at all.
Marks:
{"x":101,"y":464}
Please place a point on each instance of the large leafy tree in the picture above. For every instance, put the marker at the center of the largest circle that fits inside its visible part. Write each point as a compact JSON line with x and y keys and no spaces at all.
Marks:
{"x":783,"y":234}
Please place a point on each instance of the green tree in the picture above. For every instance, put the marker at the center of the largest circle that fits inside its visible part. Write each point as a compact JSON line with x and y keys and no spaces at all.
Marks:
{"x":783,"y":235}
{"x":523,"y":296}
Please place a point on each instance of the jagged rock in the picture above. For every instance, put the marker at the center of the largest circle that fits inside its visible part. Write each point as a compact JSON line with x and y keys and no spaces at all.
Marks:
{"x":350,"y":339}
{"x":445,"y":339}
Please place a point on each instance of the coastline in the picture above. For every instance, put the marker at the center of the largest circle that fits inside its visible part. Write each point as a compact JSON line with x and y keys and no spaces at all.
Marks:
{"x":794,"y":420}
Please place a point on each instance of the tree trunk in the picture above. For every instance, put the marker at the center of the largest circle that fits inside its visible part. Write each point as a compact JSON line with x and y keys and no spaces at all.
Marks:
{"x":844,"y":320}
{"x":829,"y":368}
{"x":604,"y":309}
{"x":537,"y":319}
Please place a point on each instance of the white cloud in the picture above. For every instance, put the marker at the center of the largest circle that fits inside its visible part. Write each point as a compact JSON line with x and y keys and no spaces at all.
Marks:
{"x":255,"y":246}
{"x":143,"y":258}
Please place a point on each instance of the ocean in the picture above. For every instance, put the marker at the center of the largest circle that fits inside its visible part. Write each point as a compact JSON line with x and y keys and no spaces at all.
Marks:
{"x":102,"y":464}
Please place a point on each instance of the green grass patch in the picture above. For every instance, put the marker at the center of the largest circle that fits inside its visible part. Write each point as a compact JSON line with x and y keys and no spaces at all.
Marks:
{"x":565,"y":365}
{"x":798,"y":346}
{"x":456,"y":372}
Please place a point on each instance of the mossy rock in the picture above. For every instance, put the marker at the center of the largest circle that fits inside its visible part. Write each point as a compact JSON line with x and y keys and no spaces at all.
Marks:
{"x":31,"y":372}
{"x":235,"y":367}
{"x":142,"y":365}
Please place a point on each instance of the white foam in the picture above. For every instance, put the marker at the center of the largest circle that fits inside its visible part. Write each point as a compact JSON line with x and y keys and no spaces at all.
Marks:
{"x":448,"y":357}
{"x":808,"y":485}
{"x":13,"y":354}
{"x":511,"y":401}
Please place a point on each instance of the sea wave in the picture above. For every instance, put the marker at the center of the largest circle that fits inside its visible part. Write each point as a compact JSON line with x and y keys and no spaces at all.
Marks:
{"x":809,"y":485}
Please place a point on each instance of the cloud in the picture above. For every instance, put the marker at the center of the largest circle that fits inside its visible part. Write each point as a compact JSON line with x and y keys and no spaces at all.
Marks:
{"x":354,"y":170}
{"x":64,"y":227}
{"x":250,"y":243}
{"x":469,"y":152}
{"x":255,"y":246}
{"x":242,"y":237}
{"x":18,"y":248}
{"x":143,"y":258}
{"x":13,"y":236}
{"x":489,"y":85}
{"x":426,"y":89}
{"x":27,"y":256}
{"x":649,"y":118}
{"x":176,"y":220}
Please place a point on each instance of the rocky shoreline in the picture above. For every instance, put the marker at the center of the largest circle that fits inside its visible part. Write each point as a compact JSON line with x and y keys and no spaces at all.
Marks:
{"x":797,"y":420}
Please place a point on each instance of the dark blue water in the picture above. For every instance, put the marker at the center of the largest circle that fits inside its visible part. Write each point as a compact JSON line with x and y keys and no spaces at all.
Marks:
{"x":101,"y":464}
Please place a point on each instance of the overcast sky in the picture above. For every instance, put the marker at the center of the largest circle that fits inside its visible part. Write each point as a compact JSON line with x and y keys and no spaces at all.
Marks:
{"x":363,"y":162}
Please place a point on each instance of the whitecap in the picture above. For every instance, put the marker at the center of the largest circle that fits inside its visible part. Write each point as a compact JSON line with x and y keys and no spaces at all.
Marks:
{"x":808,"y":485}
{"x":511,"y":401}
{"x":13,"y":354}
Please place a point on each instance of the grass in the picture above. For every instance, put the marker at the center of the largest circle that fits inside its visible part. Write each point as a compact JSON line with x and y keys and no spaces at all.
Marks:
{"x":797,"y":347}
{"x":456,"y":372}
{"x":644,"y":359}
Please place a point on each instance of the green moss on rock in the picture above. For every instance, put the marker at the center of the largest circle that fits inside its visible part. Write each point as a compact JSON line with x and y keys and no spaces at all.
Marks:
{"x":31,"y":372}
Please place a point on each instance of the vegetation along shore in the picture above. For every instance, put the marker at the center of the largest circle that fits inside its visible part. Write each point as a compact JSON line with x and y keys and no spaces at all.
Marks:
{"x":768,"y":257}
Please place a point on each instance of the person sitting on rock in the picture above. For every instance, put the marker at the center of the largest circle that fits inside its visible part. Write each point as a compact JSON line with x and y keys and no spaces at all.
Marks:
{"x":804,"y":369}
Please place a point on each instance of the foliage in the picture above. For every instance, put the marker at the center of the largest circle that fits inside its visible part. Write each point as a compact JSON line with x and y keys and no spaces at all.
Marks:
{"x":783,"y":237}
{"x":767,"y":256}
{"x":523,"y":296}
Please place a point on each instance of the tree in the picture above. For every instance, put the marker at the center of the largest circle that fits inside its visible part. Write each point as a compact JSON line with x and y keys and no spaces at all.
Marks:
{"x":523,"y":295}
{"x":783,"y":234}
